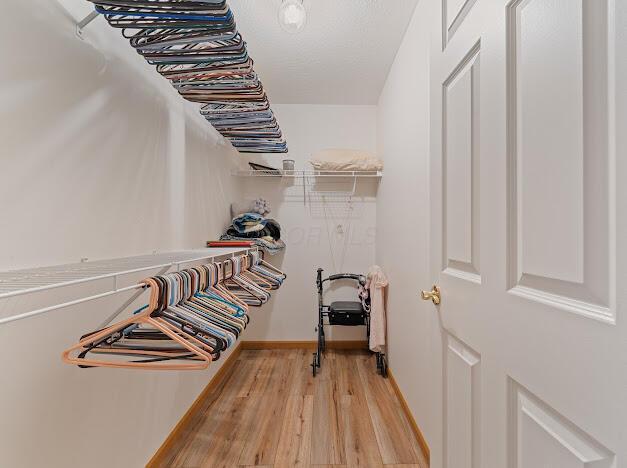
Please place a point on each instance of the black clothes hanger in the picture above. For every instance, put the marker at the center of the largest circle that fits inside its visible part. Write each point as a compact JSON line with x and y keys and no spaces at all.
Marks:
{"x":196,"y":46}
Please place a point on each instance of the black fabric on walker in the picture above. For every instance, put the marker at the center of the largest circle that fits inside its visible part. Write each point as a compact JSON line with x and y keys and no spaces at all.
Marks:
{"x":348,"y":313}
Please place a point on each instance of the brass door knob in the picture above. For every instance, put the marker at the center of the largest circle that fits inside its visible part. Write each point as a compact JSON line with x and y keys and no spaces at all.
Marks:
{"x":433,"y":295}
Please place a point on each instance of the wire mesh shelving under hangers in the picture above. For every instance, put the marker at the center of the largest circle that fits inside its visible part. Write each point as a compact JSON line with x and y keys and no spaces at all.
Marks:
{"x":20,"y":282}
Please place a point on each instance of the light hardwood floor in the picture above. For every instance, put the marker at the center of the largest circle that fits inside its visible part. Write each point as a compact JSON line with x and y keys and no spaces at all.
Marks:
{"x":270,"y":412}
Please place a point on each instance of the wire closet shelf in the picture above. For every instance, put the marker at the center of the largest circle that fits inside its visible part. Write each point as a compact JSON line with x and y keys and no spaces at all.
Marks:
{"x":309,"y":179}
{"x":21,"y":282}
{"x":307,"y":173}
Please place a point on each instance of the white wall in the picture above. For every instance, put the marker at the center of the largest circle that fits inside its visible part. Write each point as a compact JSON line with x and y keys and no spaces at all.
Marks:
{"x":403,"y":210}
{"x":100,"y":158}
{"x":311,"y":231}
{"x":99,"y":153}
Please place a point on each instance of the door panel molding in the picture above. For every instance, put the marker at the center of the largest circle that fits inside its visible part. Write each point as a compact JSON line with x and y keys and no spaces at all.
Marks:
{"x":460,"y":169}
{"x":457,"y":18}
{"x":561,"y":156}
{"x":539,"y":436}
{"x":462,"y":404}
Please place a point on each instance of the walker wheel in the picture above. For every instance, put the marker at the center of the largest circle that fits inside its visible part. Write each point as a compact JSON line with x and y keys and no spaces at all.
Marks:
{"x":384,"y":367}
{"x":314,"y":365}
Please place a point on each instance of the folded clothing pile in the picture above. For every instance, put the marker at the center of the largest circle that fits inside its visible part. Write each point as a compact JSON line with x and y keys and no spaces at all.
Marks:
{"x":264,"y":232}
{"x":345,"y":160}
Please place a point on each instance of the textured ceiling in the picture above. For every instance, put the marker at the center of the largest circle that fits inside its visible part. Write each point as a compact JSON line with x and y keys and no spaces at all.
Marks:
{"x":342,"y":56}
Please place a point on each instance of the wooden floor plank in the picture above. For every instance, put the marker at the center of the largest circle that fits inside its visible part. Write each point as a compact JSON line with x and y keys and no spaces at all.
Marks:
{"x":301,"y":380}
{"x":270,"y":412}
{"x":219,"y":441}
{"x":295,"y":442}
{"x":230,"y":434}
{"x":394,"y":442}
{"x":261,"y":445}
{"x":195,"y":425}
{"x":327,"y":440}
{"x":345,"y":375}
{"x":208,"y":444}
{"x":328,"y":466}
{"x":194,"y":451}
{"x":360,"y":442}
{"x":412,"y":465}
{"x":258,"y":378}
{"x":422,"y":460}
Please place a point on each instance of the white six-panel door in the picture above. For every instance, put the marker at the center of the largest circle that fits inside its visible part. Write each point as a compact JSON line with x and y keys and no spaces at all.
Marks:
{"x":529,"y":231}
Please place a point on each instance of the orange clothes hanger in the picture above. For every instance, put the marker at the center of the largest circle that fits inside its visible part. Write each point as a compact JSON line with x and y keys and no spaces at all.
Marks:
{"x":201,"y":358}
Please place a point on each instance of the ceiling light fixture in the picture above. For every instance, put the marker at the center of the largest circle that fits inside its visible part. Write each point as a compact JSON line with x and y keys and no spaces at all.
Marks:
{"x":292,"y":15}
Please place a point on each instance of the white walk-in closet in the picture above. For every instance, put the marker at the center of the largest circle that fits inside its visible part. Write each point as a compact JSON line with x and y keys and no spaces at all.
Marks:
{"x":313,"y":233}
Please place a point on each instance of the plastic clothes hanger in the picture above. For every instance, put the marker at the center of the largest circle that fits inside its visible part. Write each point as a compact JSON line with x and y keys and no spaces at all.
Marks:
{"x":261,"y":267}
{"x":242,"y":287}
{"x":245,"y":272}
{"x":190,"y":322}
{"x":149,"y":317}
{"x":219,"y":287}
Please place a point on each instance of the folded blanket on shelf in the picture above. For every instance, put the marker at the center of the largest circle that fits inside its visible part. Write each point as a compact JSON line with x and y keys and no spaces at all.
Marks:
{"x":249,"y":222}
{"x":271,"y":229}
{"x":268,"y":244}
{"x":345,"y":160}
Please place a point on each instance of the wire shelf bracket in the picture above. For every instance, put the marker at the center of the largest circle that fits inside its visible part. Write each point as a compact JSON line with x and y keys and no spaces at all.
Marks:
{"x":82,"y":24}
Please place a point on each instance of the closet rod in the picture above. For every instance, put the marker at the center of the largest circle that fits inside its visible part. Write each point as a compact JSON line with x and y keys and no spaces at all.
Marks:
{"x":44,"y":310}
{"x":116,"y":290}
